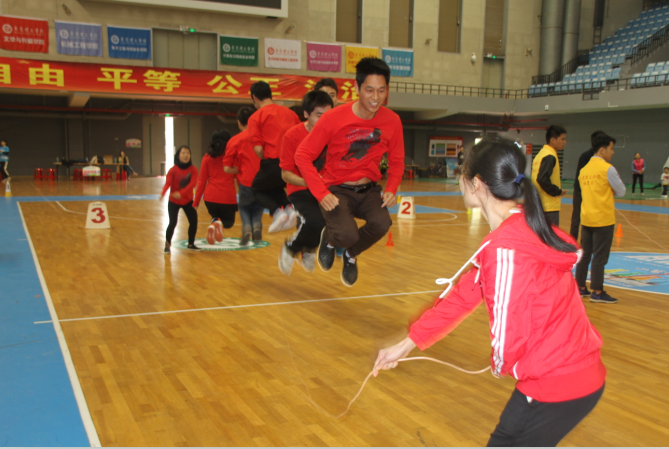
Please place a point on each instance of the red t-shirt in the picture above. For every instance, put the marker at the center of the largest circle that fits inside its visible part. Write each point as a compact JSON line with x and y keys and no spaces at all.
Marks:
{"x":182,"y":181}
{"x":239,"y":153}
{"x":217,"y":185}
{"x":355,"y":147}
{"x":291,"y":140}
{"x":268,"y":125}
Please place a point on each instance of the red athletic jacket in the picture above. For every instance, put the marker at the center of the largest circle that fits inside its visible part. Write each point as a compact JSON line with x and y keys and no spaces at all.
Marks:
{"x":291,"y":140}
{"x":354,"y":149}
{"x":239,"y":153}
{"x":268,"y":125}
{"x":217,"y":185}
{"x":182,"y":181}
{"x":539,"y":329}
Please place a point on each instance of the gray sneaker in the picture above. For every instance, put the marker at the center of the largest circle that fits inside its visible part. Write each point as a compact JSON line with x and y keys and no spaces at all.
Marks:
{"x":309,"y":262}
{"x":286,"y":261}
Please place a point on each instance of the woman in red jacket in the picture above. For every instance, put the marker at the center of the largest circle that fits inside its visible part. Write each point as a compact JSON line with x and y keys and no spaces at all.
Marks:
{"x":181,"y":180}
{"x":539,"y":329}
{"x":218,"y":188}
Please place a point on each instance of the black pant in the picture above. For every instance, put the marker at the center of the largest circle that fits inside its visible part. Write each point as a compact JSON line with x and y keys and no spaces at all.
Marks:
{"x":636,"y":176}
{"x":553,"y":217}
{"x":308,"y":233}
{"x":191,"y":214}
{"x":596,"y":243}
{"x":576,"y":214}
{"x":342,"y":230}
{"x":664,"y":190}
{"x":224,"y":212}
{"x":540,"y":424}
{"x":269,"y":187}
{"x":4,"y":174}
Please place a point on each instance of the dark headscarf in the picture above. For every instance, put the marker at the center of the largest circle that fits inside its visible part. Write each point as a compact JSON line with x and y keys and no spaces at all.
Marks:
{"x":178,"y":162}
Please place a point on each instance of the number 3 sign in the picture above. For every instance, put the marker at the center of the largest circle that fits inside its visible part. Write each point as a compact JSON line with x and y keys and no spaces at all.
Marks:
{"x":97,"y":217}
{"x":407,"y":208}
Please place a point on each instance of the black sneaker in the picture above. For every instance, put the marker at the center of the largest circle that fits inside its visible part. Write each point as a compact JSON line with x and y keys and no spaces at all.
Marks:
{"x":603,"y":297}
{"x":193,"y":248}
{"x":245,"y":239}
{"x":326,"y":255}
{"x":257,"y":235}
{"x":349,"y":273}
{"x":167,"y":249}
{"x":584,"y":291}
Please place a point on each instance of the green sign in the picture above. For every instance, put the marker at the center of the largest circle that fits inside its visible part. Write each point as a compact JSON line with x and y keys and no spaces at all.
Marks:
{"x":239,"y":50}
{"x":228,"y":244}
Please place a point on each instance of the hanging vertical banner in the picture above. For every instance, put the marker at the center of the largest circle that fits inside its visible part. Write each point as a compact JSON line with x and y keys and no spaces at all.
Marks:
{"x":399,"y":61}
{"x":354,"y":54}
{"x":129,"y":43}
{"x":323,"y":57}
{"x":283,"y":53}
{"x":237,"y":50}
{"x":21,"y":34}
{"x":79,"y":39}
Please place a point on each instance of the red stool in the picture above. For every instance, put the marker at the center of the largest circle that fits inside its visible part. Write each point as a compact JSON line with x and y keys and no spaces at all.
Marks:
{"x":52,"y":174}
{"x":106,"y":173}
{"x":123,"y":175}
{"x":38,"y":173}
{"x":78,"y":174}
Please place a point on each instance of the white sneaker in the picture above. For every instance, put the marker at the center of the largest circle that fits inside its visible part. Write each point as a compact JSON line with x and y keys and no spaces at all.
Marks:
{"x":664,"y":196}
{"x":286,"y":261}
{"x":280,"y":218}
{"x":309,"y":262}
{"x":292,"y":218}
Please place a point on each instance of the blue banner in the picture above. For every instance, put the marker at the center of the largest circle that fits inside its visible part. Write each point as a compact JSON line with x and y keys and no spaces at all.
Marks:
{"x":399,"y":61}
{"x":79,"y":39}
{"x":129,"y":43}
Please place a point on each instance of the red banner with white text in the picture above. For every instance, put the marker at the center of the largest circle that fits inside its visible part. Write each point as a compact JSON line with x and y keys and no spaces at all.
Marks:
{"x":23,"y":34}
{"x":107,"y":78}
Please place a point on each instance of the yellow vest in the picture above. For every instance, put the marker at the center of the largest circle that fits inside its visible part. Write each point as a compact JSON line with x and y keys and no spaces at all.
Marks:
{"x":550,"y":203}
{"x":598,"y":208}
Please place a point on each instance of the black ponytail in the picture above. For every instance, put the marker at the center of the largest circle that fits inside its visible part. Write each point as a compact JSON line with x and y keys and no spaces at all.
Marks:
{"x":500,"y":163}
{"x":219,"y":140}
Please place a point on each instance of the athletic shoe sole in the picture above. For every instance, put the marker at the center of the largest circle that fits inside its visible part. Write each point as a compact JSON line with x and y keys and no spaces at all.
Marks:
{"x":603,"y":301}
{"x":341,"y":276}
{"x":218,"y":231}
{"x":210,"y":235}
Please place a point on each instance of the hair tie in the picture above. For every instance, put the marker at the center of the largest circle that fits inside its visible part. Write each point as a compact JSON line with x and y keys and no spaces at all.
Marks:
{"x":519,"y":178}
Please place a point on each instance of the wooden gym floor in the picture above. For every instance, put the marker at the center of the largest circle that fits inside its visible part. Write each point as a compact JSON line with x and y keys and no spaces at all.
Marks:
{"x":212,"y":374}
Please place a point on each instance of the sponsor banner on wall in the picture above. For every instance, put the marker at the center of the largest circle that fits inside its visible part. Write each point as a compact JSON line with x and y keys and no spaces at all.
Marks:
{"x":125,"y":80}
{"x":79,"y":39}
{"x":354,"y":54}
{"x":323,"y":57}
{"x":24,"y":34}
{"x":237,"y":50}
{"x":129,"y":43}
{"x":399,"y":61}
{"x":283,"y":53}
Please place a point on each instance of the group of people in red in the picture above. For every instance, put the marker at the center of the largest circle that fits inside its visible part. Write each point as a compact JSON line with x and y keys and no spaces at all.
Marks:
{"x":319,"y":175}
{"x":540,"y":333}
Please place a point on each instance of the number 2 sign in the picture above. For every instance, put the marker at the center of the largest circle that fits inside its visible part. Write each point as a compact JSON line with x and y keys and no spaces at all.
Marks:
{"x":407,"y":208}
{"x":97,"y":217}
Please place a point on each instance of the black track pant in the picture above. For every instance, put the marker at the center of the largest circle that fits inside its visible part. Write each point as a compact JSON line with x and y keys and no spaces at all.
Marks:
{"x":224,"y":212}
{"x":308,"y":234}
{"x":191,"y":214}
{"x":636,"y":176}
{"x":268,"y":186}
{"x":4,"y":174}
{"x":596,"y":244}
{"x":540,"y":424}
{"x":576,"y":214}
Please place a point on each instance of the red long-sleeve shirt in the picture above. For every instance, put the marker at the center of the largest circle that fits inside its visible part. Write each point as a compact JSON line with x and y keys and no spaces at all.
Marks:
{"x":178,"y":180}
{"x":239,"y":153}
{"x":539,"y":330}
{"x":268,"y":125}
{"x":217,"y":185}
{"x":291,"y":140}
{"x":355,"y":147}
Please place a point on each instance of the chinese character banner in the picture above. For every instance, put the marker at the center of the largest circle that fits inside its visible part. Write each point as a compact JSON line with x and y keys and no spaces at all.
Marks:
{"x":283,"y":53}
{"x":399,"y":61}
{"x":129,"y":43}
{"x":108,"y":78}
{"x":79,"y":39}
{"x":19,"y":34}
{"x":241,"y":51}
{"x":355,"y":54}
{"x":323,"y":57}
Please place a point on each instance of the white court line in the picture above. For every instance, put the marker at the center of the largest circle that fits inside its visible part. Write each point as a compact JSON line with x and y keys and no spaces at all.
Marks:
{"x":86,"y":418}
{"x":238,"y":307}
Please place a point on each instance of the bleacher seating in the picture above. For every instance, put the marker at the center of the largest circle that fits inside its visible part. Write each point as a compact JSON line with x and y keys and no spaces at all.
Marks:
{"x":606,"y":59}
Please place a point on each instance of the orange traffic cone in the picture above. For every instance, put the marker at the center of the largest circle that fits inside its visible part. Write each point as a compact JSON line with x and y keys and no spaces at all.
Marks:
{"x":390,"y":239}
{"x":619,"y":232}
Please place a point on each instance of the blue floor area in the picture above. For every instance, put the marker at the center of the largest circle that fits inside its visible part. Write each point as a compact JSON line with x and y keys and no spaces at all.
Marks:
{"x":37,"y":404}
